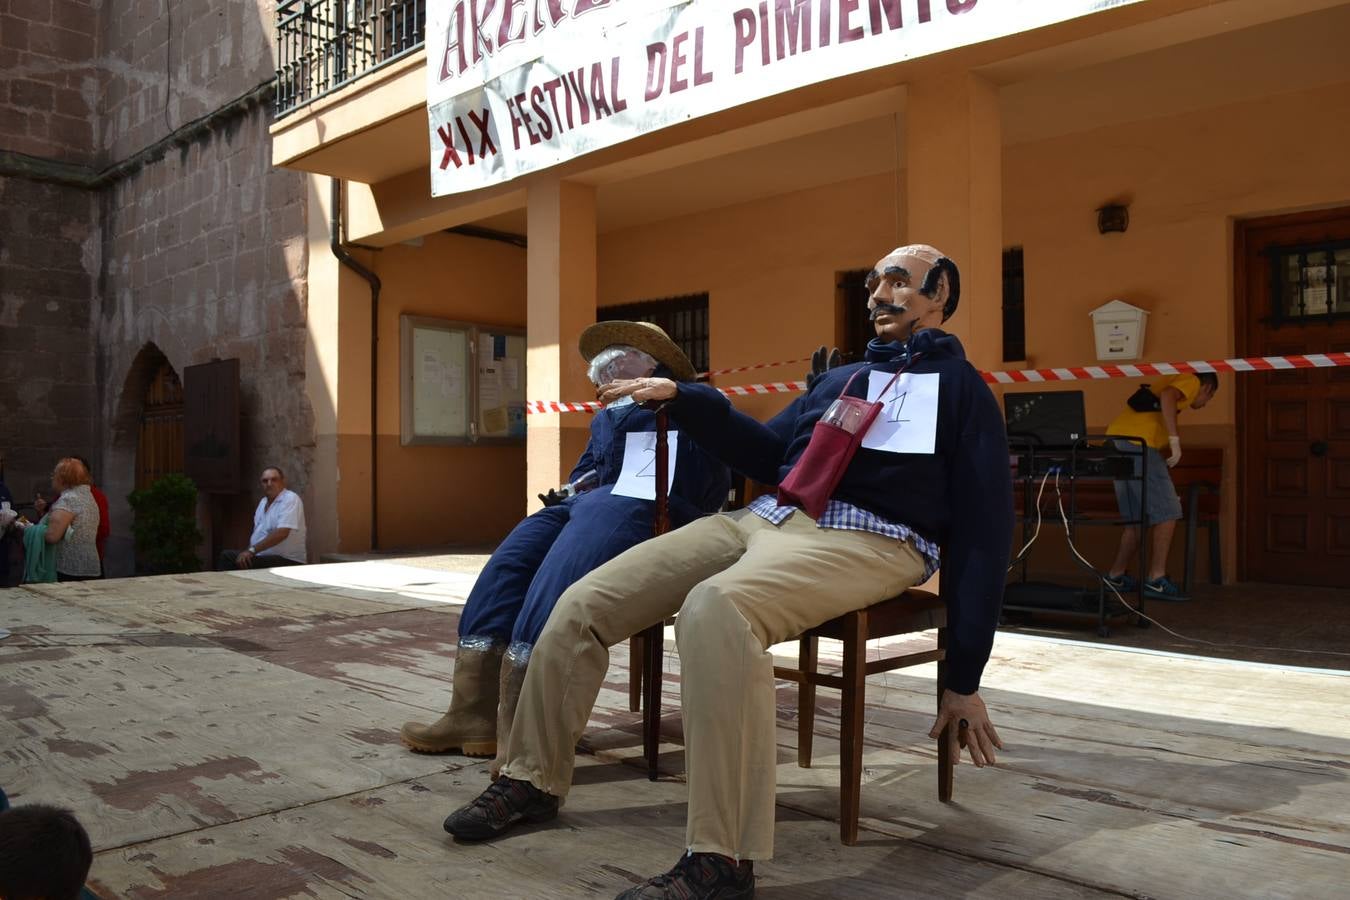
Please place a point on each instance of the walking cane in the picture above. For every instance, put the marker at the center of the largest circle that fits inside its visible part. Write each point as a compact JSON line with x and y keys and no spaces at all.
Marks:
{"x":654,"y":638}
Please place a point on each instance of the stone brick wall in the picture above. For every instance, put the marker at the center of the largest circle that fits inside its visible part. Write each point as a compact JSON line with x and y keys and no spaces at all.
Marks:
{"x":205,"y":258}
{"x":197,"y":254}
{"x":49,"y":244}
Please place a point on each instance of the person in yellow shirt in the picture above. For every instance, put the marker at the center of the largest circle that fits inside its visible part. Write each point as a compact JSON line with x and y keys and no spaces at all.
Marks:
{"x":1153,"y":416}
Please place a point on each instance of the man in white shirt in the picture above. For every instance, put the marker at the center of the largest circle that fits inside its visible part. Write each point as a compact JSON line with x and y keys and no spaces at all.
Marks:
{"x":278,"y":529}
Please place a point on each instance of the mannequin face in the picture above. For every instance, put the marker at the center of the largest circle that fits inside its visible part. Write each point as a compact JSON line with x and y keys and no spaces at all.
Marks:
{"x":896,"y":305}
{"x":620,"y":363}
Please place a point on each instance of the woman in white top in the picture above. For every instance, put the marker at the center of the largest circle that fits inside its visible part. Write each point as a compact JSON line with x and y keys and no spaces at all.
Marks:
{"x":77,"y":512}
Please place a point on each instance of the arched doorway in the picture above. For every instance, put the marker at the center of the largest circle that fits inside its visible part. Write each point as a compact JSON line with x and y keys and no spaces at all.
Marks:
{"x":159,"y":447}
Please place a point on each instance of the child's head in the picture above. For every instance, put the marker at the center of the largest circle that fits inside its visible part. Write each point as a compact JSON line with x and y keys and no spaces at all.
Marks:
{"x":44,"y":854}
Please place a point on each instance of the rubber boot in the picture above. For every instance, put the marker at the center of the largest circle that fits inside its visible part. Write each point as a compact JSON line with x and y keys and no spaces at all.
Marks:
{"x":513,"y":679}
{"x":468,"y":725}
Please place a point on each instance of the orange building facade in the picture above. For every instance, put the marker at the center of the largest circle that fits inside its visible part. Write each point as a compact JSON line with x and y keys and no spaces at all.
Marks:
{"x":1219,"y":125}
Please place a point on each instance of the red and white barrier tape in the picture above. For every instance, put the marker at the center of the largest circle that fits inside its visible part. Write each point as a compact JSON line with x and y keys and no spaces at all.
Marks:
{"x":1034,"y":376}
{"x":1141,"y":370}
{"x":786,"y":362}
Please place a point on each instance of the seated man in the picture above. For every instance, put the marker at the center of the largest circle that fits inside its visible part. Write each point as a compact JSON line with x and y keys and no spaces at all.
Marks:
{"x":933,"y":467}
{"x":569,"y":537}
{"x":278,"y":537}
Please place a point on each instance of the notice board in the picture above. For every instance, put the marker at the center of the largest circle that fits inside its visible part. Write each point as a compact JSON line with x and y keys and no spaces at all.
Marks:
{"x":462,"y":383}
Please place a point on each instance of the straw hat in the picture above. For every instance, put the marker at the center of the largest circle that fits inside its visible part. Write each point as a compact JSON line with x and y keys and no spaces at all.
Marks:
{"x":644,"y":336}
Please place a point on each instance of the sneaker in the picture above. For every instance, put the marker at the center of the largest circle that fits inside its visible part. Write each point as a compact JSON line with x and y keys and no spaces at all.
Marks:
{"x":698,"y":876}
{"x":1163,"y":588}
{"x":1122,"y":582}
{"x":506,"y":803}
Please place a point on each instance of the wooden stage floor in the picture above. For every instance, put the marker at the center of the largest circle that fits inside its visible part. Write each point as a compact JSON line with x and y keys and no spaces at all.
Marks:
{"x":235,"y":735}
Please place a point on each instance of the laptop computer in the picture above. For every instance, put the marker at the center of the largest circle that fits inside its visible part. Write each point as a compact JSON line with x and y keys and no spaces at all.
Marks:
{"x":1049,"y":420}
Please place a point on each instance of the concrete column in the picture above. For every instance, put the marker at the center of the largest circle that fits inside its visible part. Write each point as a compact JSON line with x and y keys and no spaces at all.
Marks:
{"x":561,"y":286}
{"x":337,"y":382}
{"x":953,"y":155}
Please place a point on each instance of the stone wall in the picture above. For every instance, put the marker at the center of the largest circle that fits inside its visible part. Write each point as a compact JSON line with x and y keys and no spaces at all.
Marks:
{"x":49,"y":246}
{"x":195,"y":252}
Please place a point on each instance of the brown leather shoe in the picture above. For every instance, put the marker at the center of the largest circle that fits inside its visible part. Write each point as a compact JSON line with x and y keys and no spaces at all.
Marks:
{"x":470,"y":725}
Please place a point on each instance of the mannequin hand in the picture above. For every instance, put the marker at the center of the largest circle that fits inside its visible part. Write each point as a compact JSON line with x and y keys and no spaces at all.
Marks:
{"x":821,"y":363}
{"x":552,"y":498}
{"x":979,"y":736}
{"x":640,"y":389}
{"x":1175,"y":443}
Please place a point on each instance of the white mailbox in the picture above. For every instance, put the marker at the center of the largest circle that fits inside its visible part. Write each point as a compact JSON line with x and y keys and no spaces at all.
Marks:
{"x":1119,"y":330}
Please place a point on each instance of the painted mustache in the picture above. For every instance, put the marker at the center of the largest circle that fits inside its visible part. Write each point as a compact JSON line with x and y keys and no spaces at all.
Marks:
{"x":886,"y":309}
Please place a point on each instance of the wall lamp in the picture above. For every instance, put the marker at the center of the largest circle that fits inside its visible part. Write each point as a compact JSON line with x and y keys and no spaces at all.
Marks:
{"x":1113,"y":217}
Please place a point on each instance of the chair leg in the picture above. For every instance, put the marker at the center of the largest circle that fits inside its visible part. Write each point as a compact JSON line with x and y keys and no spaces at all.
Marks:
{"x":946,"y":765}
{"x":806,"y":700}
{"x":635,"y":673}
{"x":851,"y":725}
{"x":1215,"y":553}
{"x":654,"y":656}
{"x":1192,"y":520}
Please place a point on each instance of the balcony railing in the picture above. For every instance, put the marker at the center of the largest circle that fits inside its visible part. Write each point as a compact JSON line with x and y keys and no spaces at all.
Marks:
{"x":325,"y":44}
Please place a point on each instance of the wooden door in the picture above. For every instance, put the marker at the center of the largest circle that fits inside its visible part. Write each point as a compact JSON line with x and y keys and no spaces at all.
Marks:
{"x":1294,"y":427}
{"x":160,"y":448}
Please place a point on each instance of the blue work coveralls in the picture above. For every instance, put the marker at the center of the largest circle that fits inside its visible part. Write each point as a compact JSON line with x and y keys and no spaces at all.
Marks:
{"x":556,"y":546}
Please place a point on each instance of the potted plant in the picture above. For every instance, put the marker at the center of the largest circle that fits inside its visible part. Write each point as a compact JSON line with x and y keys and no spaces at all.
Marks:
{"x":165,"y":526}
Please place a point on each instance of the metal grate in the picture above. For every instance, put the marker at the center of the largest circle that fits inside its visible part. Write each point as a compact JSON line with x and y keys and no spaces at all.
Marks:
{"x":685,"y":319}
{"x":325,"y":44}
{"x":1014,"y":306}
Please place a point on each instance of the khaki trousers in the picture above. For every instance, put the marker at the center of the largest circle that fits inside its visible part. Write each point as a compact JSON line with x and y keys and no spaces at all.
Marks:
{"x":740,"y":585}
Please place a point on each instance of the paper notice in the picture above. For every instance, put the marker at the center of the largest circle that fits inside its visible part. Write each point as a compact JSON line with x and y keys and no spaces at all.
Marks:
{"x":908,"y":421}
{"x":637,"y":478}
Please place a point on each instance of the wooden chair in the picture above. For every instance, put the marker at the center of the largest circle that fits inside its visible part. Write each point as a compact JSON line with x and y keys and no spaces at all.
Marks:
{"x":910,"y":612}
{"x":907,"y":613}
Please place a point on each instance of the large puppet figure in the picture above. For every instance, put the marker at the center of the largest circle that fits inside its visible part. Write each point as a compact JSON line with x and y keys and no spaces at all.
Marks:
{"x":606,"y":507}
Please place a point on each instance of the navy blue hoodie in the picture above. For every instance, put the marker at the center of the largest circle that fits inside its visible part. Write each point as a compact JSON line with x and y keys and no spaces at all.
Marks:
{"x":959,"y":496}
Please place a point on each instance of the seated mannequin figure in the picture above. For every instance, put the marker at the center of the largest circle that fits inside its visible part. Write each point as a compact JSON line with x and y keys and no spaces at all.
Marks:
{"x":590,"y":520}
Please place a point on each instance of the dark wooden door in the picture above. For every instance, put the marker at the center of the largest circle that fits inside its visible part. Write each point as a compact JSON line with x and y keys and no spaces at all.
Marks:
{"x":1294,"y":427}
{"x":160,"y":448}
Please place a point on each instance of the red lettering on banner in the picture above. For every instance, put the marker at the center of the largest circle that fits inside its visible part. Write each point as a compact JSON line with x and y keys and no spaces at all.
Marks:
{"x":537,"y":101}
{"x":892,"y":9}
{"x":956,"y":7}
{"x":482,"y":43}
{"x":576,"y":86}
{"x":485,"y":138}
{"x":598,"y":102}
{"x":555,"y":14}
{"x":552,"y":86}
{"x":507,"y":34}
{"x":656,"y":71}
{"x":454,"y":43}
{"x":792,"y":20}
{"x":764,"y":34}
{"x":744,"y":22}
{"x":464,"y":133}
{"x":848,"y":32}
{"x":700,"y":75}
{"x":824,"y":25}
{"x":525,"y":120}
{"x":448,"y":139}
{"x":677,"y":59}
{"x":925,"y":13}
{"x":620,"y":104}
{"x":585,"y":6}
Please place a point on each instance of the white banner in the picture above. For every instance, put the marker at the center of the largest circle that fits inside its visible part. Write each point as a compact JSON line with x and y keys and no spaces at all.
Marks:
{"x":514,"y":86}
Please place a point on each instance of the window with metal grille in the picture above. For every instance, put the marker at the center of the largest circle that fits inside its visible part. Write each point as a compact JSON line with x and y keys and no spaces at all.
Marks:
{"x":853,"y":328}
{"x":1014,"y":307}
{"x":685,"y":319}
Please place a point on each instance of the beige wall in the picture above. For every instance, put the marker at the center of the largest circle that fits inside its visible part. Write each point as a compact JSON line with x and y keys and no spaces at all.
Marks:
{"x":445,"y":495}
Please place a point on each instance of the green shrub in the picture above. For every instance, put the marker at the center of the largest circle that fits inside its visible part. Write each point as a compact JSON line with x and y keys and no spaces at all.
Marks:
{"x":166,"y":525}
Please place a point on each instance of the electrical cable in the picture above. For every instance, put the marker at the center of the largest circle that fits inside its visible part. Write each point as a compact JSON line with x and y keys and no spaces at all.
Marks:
{"x":1022,"y":554}
{"x":1194,"y":640}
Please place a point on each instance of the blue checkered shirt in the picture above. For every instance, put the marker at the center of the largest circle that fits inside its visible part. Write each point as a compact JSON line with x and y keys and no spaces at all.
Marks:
{"x":847,"y":517}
